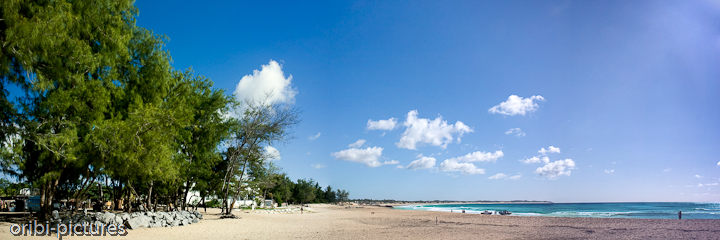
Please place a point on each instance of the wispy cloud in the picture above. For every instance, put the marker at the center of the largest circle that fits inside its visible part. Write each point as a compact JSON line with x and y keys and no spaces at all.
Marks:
{"x":505,"y":176}
{"x":357,"y":143}
{"x":609,"y":171}
{"x":498,"y":176}
{"x":433,"y":132}
{"x":479,"y":156}
{"x":318,"y":165}
{"x":386,"y":125}
{"x":316,"y":136}
{"x":422,"y":163}
{"x":667,"y":169}
{"x":698,"y":176}
{"x":517,"y":105}
{"x":516,"y":177}
{"x":516,"y":131}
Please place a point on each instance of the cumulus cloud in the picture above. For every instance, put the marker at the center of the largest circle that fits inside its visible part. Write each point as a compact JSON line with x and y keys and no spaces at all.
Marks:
{"x":422,"y":163}
{"x":700,"y":185}
{"x":464,"y":168}
{"x":609,"y":171}
{"x":318,"y":165}
{"x":535,"y":160}
{"x":368,"y":156}
{"x":434,"y":132}
{"x":517,"y":105}
{"x":316,"y":136}
{"x":698,"y":176}
{"x":479,"y":156}
{"x":357,"y":143}
{"x":387,"y":125}
{"x":498,"y":176}
{"x":516,"y":131}
{"x":556,"y":169}
{"x":718,"y":163}
{"x":269,"y":80}
{"x":272,"y":153}
{"x":550,"y":149}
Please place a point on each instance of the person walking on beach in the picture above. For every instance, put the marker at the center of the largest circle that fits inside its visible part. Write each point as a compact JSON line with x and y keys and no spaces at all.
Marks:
{"x":680,"y":215}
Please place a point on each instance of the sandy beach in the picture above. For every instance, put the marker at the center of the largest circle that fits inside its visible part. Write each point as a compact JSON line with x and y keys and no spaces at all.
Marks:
{"x":370,"y":222}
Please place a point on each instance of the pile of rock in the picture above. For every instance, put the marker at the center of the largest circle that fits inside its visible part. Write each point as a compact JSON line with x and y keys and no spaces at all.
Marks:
{"x":134,"y":220}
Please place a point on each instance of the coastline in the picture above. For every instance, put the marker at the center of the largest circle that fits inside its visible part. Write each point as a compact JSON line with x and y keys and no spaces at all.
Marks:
{"x":322,"y":221}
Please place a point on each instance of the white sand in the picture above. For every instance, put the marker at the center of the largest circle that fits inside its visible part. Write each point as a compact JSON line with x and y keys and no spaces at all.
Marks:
{"x":335,"y":222}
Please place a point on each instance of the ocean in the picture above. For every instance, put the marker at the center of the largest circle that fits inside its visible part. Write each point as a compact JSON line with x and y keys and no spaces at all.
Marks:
{"x":654,"y":210}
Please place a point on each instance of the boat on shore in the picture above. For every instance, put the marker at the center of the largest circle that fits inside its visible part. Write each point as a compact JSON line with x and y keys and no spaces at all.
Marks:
{"x":504,"y":212}
{"x":486,"y":212}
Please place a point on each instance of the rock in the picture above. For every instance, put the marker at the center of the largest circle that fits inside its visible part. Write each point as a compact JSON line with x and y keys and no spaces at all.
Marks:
{"x":106,"y":218}
{"x":55,"y":214}
{"x":195,"y":220}
{"x":125,"y":216}
{"x":175,"y":223}
{"x":185,"y":222}
{"x":137,"y":223}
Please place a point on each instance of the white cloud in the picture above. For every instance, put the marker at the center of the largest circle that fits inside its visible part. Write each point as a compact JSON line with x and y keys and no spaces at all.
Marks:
{"x":399,"y":166}
{"x":550,"y":149}
{"x":272,"y":153}
{"x":555,"y":169}
{"x":517,"y":105}
{"x":517,"y":131}
{"x":464,"y":168}
{"x":422,"y":163}
{"x":498,"y":176}
{"x":479,"y":156}
{"x":516,"y":177}
{"x":436,"y":132}
{"x":718,"y":163}
{"x":368,"y":156}
{"x":700,"y":185}
{"x":318,"y":165}
{"x":316,"y":136}
{"x":391,"y":162}
{"x":698,"y":176}
{"x":609,"y":171}
{"x":387,"y":125}
{"x":536,"y":160}
{"x":667,"y":169}
{"x":269,"y":80}
{"x":711,"y":184}
{"x":357,"y":143}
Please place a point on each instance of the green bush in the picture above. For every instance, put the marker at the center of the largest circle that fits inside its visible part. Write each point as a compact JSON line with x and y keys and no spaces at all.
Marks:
{"x":215,"y":203}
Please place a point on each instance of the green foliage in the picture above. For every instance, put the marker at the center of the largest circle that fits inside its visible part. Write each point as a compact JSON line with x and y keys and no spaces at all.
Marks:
{"x":104,"y":113}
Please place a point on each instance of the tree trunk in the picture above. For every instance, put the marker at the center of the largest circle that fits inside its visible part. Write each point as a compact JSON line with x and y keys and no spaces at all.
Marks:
{"x":149,"y":198}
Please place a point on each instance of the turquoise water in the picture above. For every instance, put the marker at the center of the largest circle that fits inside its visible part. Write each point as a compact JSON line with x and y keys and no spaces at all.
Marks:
{"x":662,"y":210}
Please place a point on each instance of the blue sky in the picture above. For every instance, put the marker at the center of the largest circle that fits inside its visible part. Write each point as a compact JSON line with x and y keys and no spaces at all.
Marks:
{"x":622,"y":97}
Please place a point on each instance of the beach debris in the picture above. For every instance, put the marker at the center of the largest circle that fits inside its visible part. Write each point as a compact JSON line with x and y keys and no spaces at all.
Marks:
{"x":135,"y":220}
